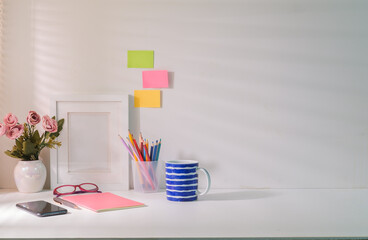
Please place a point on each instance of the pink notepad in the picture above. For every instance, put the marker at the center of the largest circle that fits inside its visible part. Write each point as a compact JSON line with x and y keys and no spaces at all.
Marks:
{"x":100,"y":202}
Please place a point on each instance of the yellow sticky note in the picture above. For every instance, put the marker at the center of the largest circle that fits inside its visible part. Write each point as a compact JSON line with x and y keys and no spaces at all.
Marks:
{"x":147,"y":98}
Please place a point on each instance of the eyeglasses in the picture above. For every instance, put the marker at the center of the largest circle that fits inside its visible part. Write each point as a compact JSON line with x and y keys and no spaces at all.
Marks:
{"x":72,"y":189}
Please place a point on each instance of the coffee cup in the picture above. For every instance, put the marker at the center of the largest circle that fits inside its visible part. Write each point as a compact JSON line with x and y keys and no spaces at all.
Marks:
{"x":182,"y":180}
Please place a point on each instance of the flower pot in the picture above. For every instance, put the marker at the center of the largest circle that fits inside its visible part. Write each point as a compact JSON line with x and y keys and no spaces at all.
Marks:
{"x":30,"y":176}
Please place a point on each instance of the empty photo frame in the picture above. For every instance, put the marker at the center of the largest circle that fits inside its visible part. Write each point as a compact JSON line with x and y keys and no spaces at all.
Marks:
{"x":91,"y":150}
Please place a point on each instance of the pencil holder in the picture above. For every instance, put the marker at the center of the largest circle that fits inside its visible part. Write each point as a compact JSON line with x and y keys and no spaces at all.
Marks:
{"x":145,"y":176}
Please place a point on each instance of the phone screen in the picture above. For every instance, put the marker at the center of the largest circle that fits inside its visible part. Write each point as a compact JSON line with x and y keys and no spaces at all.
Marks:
{"x":42,"y":208}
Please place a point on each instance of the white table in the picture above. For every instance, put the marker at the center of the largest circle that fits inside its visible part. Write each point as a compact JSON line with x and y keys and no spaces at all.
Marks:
{"x":221,"y":214}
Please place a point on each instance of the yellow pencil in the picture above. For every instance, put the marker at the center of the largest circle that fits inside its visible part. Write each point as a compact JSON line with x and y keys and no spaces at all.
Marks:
{"x":131,"y":141}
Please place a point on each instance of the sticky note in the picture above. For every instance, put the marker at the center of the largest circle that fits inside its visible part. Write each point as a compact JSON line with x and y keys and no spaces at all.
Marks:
{"x":147,"y":98}
{"x":140,"y":59}
{"x":155,"y":79}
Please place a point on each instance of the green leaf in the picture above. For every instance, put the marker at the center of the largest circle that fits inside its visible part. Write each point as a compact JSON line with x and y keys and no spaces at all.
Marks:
{"x":26,"y":132}
{"x":14,"y":153}
{"x":60,"y":124}
{"x":54,"y":135}
{"x":19,"y":145}
{"x":9,"y":153}
{"x":36,"y":137}
{"x":29,"y":148}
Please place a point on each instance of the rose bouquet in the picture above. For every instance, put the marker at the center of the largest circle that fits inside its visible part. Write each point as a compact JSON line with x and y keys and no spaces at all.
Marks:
{"x":28,"y":141}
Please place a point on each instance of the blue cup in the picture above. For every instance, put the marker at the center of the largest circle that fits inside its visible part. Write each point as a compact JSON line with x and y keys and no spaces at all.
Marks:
{"x":182,"y":180}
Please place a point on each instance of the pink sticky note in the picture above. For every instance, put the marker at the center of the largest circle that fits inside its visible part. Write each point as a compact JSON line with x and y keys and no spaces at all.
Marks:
{"x":155,"y":79}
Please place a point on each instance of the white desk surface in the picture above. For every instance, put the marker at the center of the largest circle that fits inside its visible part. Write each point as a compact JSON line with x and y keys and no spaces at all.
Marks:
{"x":222,"y":214}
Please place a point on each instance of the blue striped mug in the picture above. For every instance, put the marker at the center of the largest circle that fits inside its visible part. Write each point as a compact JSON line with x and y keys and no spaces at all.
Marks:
{"x":182,"y":180}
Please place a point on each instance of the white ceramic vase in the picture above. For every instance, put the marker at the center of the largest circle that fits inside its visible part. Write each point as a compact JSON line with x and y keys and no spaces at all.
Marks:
{"x":30,"y":176}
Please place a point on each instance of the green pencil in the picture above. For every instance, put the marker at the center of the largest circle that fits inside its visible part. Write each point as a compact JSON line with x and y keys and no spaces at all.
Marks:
{"x":158,"y":150}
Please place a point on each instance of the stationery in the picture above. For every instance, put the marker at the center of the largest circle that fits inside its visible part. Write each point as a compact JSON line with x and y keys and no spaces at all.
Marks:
{"x":155,"y":79}
{"x":154,"y":151}
{"x":102,"y":202}
{"x":158,"y":150}
{"x":147,"y":98}
{"x":138,"y":161}
{"x":145,"y":164}
{"x":140,"y":59}
{"x":141,"y":153}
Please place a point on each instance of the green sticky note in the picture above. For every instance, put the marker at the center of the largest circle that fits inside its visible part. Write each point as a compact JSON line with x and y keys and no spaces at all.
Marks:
{"x":140,"y":59}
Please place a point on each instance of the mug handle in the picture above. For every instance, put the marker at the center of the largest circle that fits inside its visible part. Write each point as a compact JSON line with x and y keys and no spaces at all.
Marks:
{"x":208,"y":181}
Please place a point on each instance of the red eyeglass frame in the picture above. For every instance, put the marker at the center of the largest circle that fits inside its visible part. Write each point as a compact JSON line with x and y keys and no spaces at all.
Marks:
{"x":80,"y":186}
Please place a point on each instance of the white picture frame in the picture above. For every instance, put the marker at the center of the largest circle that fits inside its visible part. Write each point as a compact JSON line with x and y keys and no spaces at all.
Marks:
{"x":91,"y":150}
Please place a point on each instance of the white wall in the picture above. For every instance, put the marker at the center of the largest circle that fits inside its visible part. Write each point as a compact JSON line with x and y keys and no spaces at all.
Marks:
{"x":264,"y":93}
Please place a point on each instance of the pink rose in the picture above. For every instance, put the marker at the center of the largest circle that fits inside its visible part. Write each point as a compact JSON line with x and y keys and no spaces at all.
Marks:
{"x":10,"y":120}
{"x":2,"y":129}
{"x":49,"y":124}
{"x":14,"y":132}
{"x":33,"y":118}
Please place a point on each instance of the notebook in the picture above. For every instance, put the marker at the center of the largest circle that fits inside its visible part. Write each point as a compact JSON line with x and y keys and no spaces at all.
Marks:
{"x":100,"y":202}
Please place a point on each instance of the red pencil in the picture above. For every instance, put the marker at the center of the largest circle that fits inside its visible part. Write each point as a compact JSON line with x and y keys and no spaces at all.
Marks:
{"x":142,"y":150}
{"x":139,"y":152}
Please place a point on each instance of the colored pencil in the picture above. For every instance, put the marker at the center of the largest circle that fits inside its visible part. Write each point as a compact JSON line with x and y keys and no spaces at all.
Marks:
{"x":142,"y":152}
{"x":154,"y":152}
{"x":158,"y":150}
{"x":145,"y":171}
{"x":130,"y":152}
{"x":131,"y":141}
{"x":139,"y":152}
{"x":151,"y":153}
{"x":130,"y":137}
{"x":140,"y":142}
{"x":133,"y":150}
{"x":148,"y":156}
{"x":140,"y":138}
{"x":144,"y":155}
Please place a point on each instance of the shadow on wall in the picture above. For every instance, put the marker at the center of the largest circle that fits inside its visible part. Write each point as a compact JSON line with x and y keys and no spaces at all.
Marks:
{"x":2,"y":84}
{"x":265,"y":86}
{"x":6,"y":177}
{"x":134,"y":127}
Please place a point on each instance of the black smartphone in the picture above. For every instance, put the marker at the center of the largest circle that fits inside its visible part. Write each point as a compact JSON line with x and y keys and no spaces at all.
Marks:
{"x":41,"y":208}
